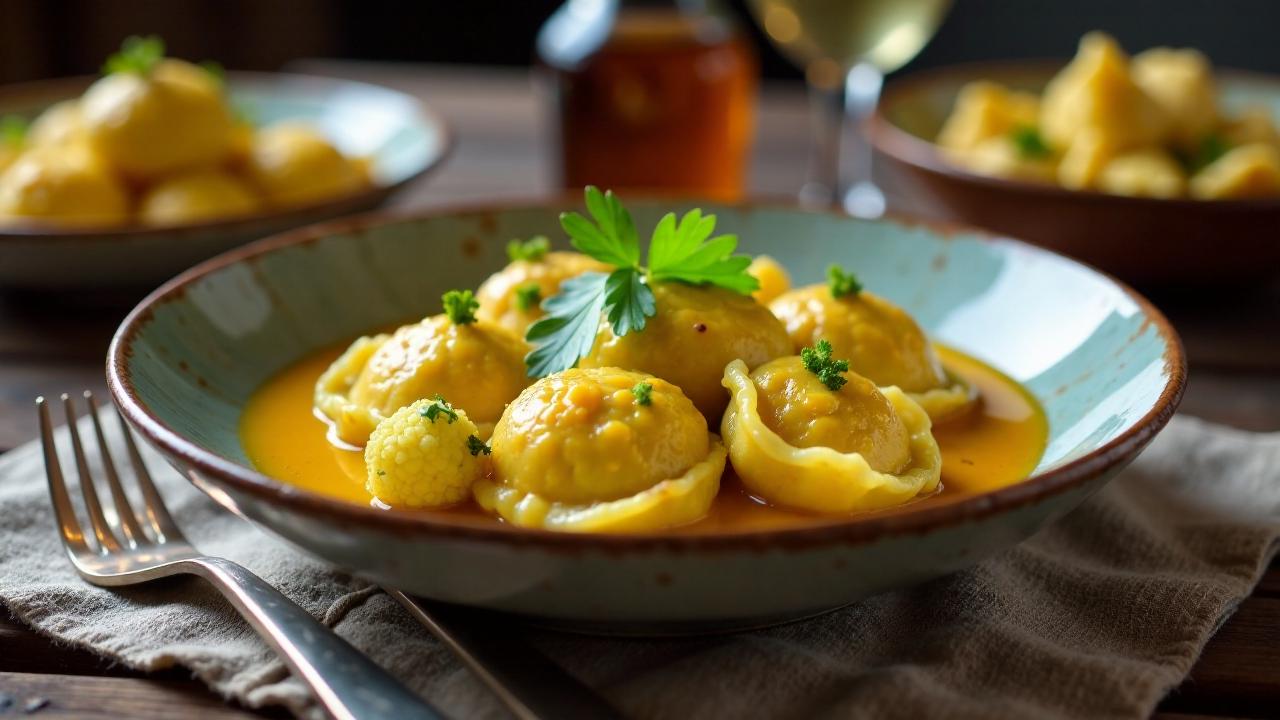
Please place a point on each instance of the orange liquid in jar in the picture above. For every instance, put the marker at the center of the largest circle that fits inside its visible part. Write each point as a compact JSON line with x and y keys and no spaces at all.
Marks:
{"x":666,"y":105}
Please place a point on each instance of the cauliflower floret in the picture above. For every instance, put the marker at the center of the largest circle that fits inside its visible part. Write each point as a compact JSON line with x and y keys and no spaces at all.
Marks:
{"x":426,"y":454}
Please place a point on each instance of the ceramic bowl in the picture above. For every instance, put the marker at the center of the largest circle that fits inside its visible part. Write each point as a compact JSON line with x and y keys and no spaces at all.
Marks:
{"x":1106,"y":365}
{"x":1145,"y":241}
{"x":403,"y":139}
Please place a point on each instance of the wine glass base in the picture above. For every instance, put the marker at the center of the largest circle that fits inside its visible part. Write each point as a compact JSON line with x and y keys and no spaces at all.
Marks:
{"x":864,"y":200}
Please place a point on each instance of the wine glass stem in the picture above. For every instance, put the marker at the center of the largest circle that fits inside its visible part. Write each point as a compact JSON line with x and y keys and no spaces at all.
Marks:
{"x":827,"y":114}
{"x":862,"y":92}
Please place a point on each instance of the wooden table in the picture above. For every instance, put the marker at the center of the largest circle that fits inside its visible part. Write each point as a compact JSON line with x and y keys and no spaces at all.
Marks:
{"x":48,"y":347}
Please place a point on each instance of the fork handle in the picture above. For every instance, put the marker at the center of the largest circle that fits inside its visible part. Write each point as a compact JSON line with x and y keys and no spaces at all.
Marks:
{"x":348,"y":684}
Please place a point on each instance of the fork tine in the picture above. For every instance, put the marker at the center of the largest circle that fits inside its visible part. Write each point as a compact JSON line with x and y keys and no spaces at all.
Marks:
{"x":101,"y":529}
{"x":133,"y":533}
{"x":68,"y":525}
{"x":158,"y":515}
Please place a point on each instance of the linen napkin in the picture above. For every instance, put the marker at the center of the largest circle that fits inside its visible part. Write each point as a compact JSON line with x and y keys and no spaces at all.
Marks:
{"x":1097,"y":616}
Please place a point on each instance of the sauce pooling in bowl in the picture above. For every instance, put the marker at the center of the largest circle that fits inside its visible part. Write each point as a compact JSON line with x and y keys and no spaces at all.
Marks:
{"x":996,"y":445}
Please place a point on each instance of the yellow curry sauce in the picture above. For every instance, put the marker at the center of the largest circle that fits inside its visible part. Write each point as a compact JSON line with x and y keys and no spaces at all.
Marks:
{"x":997,"y":445}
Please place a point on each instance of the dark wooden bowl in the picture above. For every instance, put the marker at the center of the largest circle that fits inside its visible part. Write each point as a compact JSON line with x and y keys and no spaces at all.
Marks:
{"x":1145,"y":241}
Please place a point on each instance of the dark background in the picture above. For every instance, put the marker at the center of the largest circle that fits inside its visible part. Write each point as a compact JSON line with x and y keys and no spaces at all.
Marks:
{"x":48,"y":38}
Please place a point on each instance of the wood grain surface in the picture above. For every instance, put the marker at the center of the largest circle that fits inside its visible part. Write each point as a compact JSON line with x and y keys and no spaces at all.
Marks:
{"x":52,"y":345}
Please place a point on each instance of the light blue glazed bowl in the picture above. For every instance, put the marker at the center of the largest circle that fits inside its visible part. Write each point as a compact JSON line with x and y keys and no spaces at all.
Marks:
{"x":1105,"y":364}
{"x":402,"y":138}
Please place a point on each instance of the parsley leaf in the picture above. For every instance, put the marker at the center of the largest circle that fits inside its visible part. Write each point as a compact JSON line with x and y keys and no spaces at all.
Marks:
{"x":842,"y":283}
{"x":1029,"y":143}
{"x":643,"y":392}
{"x":13,"y":130}
{"x":476,"y":446}
{"x":439,"y":407}
{"x":679,"y":250}
{"x":533,"y":249}
{"x":137,"y":55}
{"x":817,"y":360}
{"x":528,"y":295}
{"x":569,"y":329}
{"x":460,"y":306}
{"x":612,"y":239}
{"x":628,"y":300}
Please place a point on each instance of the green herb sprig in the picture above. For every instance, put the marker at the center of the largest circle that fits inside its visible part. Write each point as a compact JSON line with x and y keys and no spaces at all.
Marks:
{"x":680,"y":250}
{"x":817,"y":360}
{"x":643,"y":392}
{"x":842,"y":283}
{"x":1206,"y":152}
{"x":460,"y":306}
{"x":137,"y":55}
{"x":439,"y":407}
{"x":13,"y":130}
{"x":215,"y":70}
{"x":476,"y":446}
{"x":1029,"y":143}
{"x":532,"y":250}
{"x":528,"y":296}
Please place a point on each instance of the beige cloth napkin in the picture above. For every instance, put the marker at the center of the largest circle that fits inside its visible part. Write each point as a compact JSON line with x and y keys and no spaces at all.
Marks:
{"x":1097,"y":616}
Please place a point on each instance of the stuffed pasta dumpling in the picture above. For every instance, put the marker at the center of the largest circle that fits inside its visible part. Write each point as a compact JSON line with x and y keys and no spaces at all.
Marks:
{"x":804,"y":434}
{"x":602,"y":450}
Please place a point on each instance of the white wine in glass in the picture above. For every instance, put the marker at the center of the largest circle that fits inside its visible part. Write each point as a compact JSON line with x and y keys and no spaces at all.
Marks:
{"x":844,"y":48}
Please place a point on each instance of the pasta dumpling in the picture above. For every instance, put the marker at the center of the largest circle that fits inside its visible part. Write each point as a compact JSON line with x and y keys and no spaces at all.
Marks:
{"x":1143,"y":173}
{"x":880,"y":340}
{"x":478,"y":364}
{"x":603,"y":450}
{"x":986,"y":110}
{"x":67,"y":185}
{"x":695,"y":332}
{"x":512,"y":296}
{"x":797,"y":442}
{"x":1096,"y":91}
{"x":1249,"y":171}
{"x":1181,"y":82}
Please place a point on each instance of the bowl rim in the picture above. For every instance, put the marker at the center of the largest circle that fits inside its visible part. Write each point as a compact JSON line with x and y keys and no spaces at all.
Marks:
{"x":888,"y":138}
{"x":843,"y":530}
{"x":422,"y":113}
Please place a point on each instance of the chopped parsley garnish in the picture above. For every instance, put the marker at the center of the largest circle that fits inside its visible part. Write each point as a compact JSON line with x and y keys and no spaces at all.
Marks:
{"x":439,"y":407}
{"x":527,"y":296}
{"x":476,"y":446}
{"x":643,"y":392}
{"x":680,"y":250}
{"x":460,"y":306}
{"x":533,"y":249}
{"x":13,"y":130}
{"x":842,"y":283}
{"x":137,"y":55}
{"x":215,"y":70}
{"x":1029,"y":143}
{"x":817,"y":360}
{"x":1210,"y":148}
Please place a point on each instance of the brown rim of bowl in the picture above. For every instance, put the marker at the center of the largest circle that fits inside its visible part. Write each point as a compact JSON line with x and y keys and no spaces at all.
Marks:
{"x":913,"y":150}
{"x":840,"y":530}
{"x":47,"y":89}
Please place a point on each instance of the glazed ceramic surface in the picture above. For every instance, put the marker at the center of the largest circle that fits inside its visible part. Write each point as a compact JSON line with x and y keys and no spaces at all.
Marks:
{"x":1143,"y":240}
{"x":1105,"y":365}
{"x":403,"y":139}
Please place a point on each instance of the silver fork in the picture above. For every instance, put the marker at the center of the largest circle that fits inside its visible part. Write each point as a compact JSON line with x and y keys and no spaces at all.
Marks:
{"x":129,"y":548}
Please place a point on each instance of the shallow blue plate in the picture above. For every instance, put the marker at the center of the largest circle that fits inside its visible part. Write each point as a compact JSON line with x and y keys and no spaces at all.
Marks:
{"x":1104,"y":363}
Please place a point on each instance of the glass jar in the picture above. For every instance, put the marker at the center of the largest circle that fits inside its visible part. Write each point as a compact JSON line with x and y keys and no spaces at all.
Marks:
{"x":655,"y":97}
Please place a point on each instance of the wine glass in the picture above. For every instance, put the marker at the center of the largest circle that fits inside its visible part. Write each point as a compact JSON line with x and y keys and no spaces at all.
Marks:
{"x":845,"y":47}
